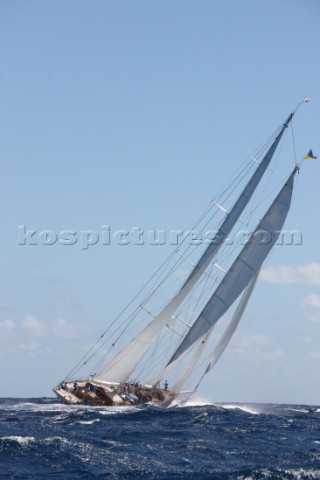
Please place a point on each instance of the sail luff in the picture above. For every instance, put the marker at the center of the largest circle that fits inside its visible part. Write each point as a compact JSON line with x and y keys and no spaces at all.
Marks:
{"x":244,"y":268}
{"x":119,"y":369}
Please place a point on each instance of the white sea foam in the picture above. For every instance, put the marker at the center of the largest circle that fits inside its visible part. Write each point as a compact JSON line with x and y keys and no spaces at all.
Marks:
{"x":245,"y":408}
{"x":88,"y":422}
{"x":63,"y":410}
{"x":64,"y":441}
{"x":299,"y":410}
{"x":295,"y":474}
{"x":302,"y":474}
{"x":114,"y":410}
{"x":253,"y":409}
{"x":37,"y":407}
{"x":195,"y":403}
{"x":24,"y":441}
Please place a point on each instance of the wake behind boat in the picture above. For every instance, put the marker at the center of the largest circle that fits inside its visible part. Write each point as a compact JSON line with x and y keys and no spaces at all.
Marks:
{"x":154,"y":339}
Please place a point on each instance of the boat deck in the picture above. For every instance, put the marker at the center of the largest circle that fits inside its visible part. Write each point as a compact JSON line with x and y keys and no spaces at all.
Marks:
{"x":88,"y":393}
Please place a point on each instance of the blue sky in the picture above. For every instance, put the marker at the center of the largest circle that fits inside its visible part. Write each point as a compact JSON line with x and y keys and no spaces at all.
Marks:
{"x":134,"y":113}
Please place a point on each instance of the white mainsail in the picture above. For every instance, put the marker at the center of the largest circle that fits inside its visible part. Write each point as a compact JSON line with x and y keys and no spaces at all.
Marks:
{"x":123,"y":364}
{"x":244,"y":268}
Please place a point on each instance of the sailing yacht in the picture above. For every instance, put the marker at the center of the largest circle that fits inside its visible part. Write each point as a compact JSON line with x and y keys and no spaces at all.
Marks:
{"x":160,"y":334}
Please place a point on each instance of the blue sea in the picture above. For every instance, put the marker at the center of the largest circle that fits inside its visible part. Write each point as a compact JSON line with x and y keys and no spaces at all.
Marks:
{"x":42,"y":439}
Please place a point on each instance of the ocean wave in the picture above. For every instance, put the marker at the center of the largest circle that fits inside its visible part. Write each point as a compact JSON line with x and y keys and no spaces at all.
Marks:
{"x":279,"y":474}
{"x":38,"y":407}
{"x":88,"y":422}
{"x":254,"y":410}
{"x":17,"y":439}
{"x":115,"y":410}
{"x":224,"y":441}
{"x":244,"y":408}
{"x":196,"y":403}
{"x":300,"y":410}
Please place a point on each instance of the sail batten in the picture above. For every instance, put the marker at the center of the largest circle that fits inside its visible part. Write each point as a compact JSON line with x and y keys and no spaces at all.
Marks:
{"x":120,"y":369}
{"x":244,"y":268}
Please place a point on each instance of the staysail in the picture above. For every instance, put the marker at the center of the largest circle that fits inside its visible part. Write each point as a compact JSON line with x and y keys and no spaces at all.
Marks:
{"x":244,"y":269}
{"x":120,"y":369}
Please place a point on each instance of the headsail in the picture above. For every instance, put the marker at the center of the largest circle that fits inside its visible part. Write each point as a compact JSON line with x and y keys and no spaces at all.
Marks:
{"x":244,"y":268}
{"x":120,"y":369}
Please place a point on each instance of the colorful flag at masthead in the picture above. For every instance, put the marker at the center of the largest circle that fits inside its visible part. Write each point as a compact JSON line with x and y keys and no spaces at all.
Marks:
{"x":310,"y":156}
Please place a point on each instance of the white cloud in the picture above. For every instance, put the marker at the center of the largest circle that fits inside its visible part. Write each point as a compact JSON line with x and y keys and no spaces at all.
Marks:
{"x":256,"y":354}
{"x":252,"y":341}
{"x":58,"y":329}
{"x":7,"y":329}
{"x":305,"y":339}
{"x":64,"y":303}
{"x":65,"y":330}
{"x":258,"y":347}
{"x":314,"y":317}
{"x":314,"y":355}
{"x":30,"y":347}
{"x":313,"y":301}
{"x":272,"y":354}
{"x":7,"y":325}
{"x":308,"y":274}
{"x":34,"y":326}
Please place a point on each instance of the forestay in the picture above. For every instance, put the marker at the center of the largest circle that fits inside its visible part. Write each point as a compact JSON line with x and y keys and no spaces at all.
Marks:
{"x":123,"y":364}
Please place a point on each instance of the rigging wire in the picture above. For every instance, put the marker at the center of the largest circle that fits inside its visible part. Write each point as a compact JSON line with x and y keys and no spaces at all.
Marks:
{"x":97,"y":345}
{"x":203,"y":375}
{"x":294,"y":145}
{"x":206,"y":280}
